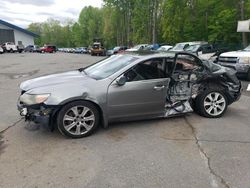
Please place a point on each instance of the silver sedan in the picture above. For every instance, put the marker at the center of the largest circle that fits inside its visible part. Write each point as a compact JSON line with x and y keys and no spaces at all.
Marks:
{"x":128,"y":87}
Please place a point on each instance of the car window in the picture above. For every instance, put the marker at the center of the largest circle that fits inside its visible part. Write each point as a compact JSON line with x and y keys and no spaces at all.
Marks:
{"x":180,"y":46}
{"x":150,"y":69}
{"x":187,"y":63}
{"x":192,"y":48}
{"x":109,"y":66}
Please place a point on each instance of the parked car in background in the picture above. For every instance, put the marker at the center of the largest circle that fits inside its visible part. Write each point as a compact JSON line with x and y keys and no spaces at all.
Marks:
{"x":81,"y":50}
{"x":151,"y":47}
{"x":110,"y":52}
{"x":137,"y":48}
{"x":48,"y":49}
{"x":97,"y":49}
{"x":1,"y":50}
{"x":164,"y":48}
{"x":200,"y":49}
{"x":31,"y":48}
{"x":66,"y":50}
{"x":116,"y":50}
{"x":120,"y":49}
{"x":237,"y":60}
{"x":204,"y":51}
{"x":20,"y":48}
{"x":9,"y":47}
{"x":72,"y":50}
{"x":183,"y":45}
{"x":128,"y":87}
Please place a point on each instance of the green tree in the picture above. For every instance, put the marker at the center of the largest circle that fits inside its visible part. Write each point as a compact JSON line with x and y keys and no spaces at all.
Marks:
{"x":129,"y":22}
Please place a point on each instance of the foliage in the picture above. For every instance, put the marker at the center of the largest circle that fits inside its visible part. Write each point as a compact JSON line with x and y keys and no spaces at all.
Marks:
{"x":129,"y":22}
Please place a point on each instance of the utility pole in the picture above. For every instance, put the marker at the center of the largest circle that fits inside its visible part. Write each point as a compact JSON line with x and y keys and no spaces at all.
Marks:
{"x":242,"y":15}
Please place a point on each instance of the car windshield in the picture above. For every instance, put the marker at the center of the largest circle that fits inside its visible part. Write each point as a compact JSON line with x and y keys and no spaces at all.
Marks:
{"x":109,"y":66}
{"x":178,"y":46}
{"x":149,"y":47}
{"x":247,"y":48}
{"x":116,"y":48}
{"x":137,"y":47}
{"x":192,"y":48}
{"x":162,"y":48}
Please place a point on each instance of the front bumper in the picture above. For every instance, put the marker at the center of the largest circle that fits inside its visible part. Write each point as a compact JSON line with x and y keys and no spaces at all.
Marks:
{"x":97,"y":51}
{"x":39,"y":113}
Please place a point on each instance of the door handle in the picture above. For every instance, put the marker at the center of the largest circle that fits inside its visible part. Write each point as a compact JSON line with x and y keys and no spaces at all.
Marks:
{"x":158,"y":88}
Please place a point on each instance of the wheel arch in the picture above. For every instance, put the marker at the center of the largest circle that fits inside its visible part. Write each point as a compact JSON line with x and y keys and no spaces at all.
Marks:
{"x":103,"y":119}
{"x":216,"y":83}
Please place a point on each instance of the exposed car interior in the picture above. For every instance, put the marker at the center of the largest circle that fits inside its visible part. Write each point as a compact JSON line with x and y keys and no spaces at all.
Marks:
{"x":183,"y":73}
{"x":151,"y":69}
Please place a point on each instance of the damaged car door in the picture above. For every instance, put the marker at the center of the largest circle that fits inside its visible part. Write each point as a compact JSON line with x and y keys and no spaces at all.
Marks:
{"x":142,"y":94}
{"x":187,"y":73}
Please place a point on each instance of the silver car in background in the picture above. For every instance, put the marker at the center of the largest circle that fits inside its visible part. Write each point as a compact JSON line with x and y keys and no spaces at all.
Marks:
{"x":128,"y":87}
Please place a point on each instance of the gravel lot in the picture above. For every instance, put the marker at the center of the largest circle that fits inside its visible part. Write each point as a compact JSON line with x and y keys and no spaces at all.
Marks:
{"x":181,"y":152}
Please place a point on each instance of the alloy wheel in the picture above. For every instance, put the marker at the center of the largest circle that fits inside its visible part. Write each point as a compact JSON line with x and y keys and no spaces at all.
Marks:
{"x":214,"y":104}
{"x":79,"y":120}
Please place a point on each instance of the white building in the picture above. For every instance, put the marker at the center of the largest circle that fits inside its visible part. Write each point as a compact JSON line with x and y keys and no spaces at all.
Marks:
{"x":13,"y":33}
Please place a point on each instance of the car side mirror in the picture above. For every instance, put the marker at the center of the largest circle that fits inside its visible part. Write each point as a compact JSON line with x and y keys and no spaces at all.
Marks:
{"x":121,"y":81}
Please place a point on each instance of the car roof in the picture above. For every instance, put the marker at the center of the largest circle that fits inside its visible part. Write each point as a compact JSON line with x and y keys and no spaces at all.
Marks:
{"x":166,"y":46}
{"x":193,"y":42}
{"x":153,"y":54}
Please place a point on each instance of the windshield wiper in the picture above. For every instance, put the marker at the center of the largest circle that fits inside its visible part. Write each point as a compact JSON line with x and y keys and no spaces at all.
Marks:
{"x":82,"y":70}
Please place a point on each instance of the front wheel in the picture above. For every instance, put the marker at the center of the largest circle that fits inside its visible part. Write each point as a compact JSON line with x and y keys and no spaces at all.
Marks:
{"x":78,"y":119}
{"x":211,"y":103}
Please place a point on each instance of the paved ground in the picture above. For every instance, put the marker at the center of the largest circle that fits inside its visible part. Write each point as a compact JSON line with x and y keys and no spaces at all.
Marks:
{"x":188,"y":151}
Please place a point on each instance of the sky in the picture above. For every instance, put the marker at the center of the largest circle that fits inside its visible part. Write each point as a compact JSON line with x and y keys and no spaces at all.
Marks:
{"x":24,"y":12}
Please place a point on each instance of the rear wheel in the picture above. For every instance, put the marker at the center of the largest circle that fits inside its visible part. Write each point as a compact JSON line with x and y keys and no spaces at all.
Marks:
{"x":78,"y":119}
{"x":211,"y":103}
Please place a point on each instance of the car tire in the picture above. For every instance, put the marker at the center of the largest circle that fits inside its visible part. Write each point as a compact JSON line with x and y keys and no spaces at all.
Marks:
{"x":78,"y":119}
{"x":212,"y":103}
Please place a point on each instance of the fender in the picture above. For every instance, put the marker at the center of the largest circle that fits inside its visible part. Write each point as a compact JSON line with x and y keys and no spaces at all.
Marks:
{"x":85,"y":97}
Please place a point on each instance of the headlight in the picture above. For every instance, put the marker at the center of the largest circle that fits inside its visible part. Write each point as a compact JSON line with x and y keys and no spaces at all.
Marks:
{"x":244,"y":60}
{"x":33,"y":99}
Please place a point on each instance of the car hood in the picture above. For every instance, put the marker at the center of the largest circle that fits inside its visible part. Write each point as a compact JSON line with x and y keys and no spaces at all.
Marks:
{"x":54,"y":79}
{"x":206,"y":56}
{"x":236,"y":54}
